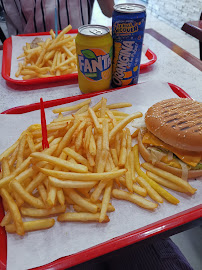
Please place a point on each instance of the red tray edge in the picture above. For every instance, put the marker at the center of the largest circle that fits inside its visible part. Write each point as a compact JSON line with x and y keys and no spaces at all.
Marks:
{"x":124,"y":240}
{"x":55,"y":102}
{"x":118,"y":240}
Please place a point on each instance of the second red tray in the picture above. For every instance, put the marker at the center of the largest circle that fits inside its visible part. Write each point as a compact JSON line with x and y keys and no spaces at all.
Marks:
{"x":67,"y":78}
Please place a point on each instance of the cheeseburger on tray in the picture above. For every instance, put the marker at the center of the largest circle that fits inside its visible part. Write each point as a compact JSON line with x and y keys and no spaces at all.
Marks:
{"x":172,"y":139}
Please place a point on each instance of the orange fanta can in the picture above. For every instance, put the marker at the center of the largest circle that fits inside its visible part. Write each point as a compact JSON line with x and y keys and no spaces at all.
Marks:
{"x":94,"y":47}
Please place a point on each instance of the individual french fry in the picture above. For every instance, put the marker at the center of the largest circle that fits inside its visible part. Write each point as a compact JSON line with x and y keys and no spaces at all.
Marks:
{"x":78,"y":141}
{"x":52,"y":34}
{"x":71,"y":184}
{"x":43,"y":51}
{"x":83,"y":176}
{"x":13,"y":157}
{"x":30,"y":143}
{"x":110,"y":207}
{"x":79,"y":158}
{"x":72,"y":108}
{"x":95,"y":120}
{"x":119,"y":113}
{"x":35,"y":202}
{"x":87,"y":137}
{"x":129,"y":180}
{"x":114,"y":156}
{"x":37,"y":180}
{"x":33,"y":225}
{"x":60,"y":196}
{"x":32,"y":212}
{"x":118,"y":143}
{"x":132,"y":167}
{"x":151,"y":192}
{"x":119,"y":105}
{"x":137,"y":189}
{"x":112,"y":117}
{"x":67,"y":138}
{"x":105,"y":135}
{"x":92,"y":145}
{"x":105,"y":201}
{"x":164,"y":182}
{"x":15,"y":213}
{"x":173,"y":178}
{"x":6,"y":180}
{"x":103,"y":107}
{"x":60,"y":162}
{"x":142,"y":202}
{"x":6,"y":219}
{"x":97,"y":191}
{"x":80,"y":217}
{"x":123,"y":123}
{"x":102,"y":161}
{"x":20,"y":66}
{"x":42,"y":192}
{"x":81,"y":201}
{"x":123,"y":151}
{"x":51,"y":196}
{"x":82,"y":109}
{"x":24,"y":175}
{"x":5,"y":167}
{"x":21,"y":150}
{"x":61,"y":34}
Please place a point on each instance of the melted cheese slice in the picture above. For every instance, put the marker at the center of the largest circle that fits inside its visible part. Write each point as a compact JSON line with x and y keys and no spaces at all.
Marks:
{"x":189,"y":157}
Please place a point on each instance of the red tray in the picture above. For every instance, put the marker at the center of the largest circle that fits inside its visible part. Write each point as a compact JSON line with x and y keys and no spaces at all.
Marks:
{"x":117,"y":242}
{"x":68,"y":78}
{"x":151,"y":57}
{"x":6,"y":65}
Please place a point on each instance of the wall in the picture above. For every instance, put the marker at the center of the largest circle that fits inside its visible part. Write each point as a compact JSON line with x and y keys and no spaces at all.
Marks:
{"x":176,"y":11}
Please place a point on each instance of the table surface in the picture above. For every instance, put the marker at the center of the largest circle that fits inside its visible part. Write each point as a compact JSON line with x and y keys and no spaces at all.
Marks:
{"x":173,"y":65}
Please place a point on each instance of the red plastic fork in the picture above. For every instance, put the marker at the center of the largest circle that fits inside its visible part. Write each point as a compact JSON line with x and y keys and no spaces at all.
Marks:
{"x":45,"y":143}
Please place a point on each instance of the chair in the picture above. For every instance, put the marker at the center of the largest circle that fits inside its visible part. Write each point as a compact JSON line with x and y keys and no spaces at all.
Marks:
{"x":2,"y":36}
{"x":194,"y":28}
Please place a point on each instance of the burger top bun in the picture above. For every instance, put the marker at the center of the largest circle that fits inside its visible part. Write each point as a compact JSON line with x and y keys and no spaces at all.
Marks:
{"x":178,"y":122}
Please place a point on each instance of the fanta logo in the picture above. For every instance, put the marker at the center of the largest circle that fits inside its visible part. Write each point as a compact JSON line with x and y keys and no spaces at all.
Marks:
{"x":125,"y":57}
{"x":93,"y":63}
{"x":126,"y":28}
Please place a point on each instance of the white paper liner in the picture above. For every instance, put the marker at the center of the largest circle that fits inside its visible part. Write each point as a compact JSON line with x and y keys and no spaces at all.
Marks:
{"x":19,"y":41}
{"x":42,"y":247}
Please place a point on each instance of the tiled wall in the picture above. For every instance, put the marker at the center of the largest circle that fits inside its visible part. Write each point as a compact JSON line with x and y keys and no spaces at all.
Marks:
{"x":176,"y":11}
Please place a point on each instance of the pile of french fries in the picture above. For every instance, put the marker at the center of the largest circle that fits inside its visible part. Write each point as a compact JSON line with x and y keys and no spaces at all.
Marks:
{"x":54,"y":57}
{"x":89,"y":160}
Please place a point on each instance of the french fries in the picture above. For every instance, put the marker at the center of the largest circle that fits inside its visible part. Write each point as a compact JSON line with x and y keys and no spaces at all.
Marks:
{"x":90,"y":161}
{"x":52,"y":57}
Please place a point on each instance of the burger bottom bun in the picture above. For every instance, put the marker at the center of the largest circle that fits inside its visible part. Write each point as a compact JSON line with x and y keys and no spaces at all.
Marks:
{"x":147,"y":157}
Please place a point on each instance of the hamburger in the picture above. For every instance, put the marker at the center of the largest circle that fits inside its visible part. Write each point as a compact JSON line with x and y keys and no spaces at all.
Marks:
{"x":172,"y":139}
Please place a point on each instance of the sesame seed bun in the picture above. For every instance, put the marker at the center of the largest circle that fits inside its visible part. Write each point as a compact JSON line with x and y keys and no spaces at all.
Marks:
{"x":177,"y":122}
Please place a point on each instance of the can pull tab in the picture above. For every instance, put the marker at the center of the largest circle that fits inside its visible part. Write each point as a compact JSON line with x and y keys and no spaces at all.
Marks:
{"x":96,"y":31}
{"x":127,"y":8}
